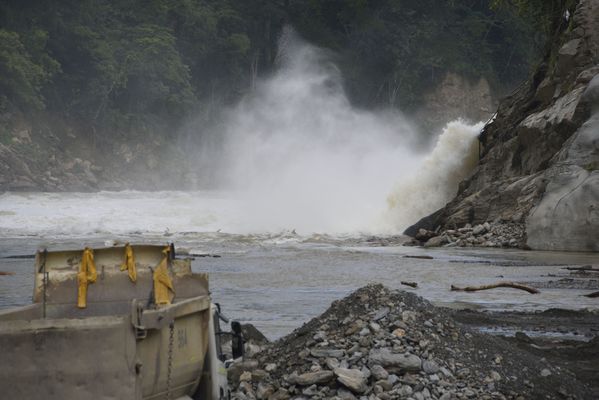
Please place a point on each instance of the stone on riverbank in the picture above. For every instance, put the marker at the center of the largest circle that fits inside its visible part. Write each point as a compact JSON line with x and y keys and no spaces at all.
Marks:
{"x":434,"y":357}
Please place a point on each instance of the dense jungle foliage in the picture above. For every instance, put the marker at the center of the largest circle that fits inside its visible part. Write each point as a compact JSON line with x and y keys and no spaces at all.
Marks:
{"x":118,"y":65}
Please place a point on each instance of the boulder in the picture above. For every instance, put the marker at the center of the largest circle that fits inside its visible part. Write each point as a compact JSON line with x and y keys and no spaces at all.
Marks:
{"x":353,"y":379}
{"x":385,"y":358}
{"x":235,"y":371}
{"x":251,"y":333}
{"x":310,"y":378}
{"x":437,"y":241}
{"x":566,"y":55}
{"x":379,"y":372}
{"x":326,"y":353}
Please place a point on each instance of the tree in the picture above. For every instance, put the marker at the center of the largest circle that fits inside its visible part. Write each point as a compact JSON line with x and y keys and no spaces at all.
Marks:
{"x":22,"y":76}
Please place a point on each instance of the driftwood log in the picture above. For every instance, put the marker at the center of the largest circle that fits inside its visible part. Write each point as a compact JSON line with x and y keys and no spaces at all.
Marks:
{"x":6,"y":273}
{"x":420,"y":257}
{"x":496,"y":285}
{"x":592,"y":295}
{"x":410,"y":284}
{"x":585,"y":268}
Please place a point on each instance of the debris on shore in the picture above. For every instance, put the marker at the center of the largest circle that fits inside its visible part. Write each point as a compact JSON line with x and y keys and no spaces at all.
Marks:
{"x":386,"y":344}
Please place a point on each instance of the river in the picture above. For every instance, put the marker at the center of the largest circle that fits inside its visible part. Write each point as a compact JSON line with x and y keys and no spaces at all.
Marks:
{"x":279,"y":280}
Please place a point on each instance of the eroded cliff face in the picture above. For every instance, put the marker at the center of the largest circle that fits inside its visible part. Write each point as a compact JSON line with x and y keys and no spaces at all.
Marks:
{"x":457,"y":97}
{"x":45,"y":154}
{"x":567,"y":215}
{"x":539,"y":163}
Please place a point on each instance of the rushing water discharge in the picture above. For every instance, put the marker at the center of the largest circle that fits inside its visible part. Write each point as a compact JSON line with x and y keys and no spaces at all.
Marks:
{"x":300,"y":156}
{"x":275,"y":280}
{"x":307,"y":180}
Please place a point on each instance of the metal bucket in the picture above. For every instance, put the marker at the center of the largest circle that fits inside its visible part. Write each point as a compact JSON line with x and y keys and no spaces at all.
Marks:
{"x":120,"y":346}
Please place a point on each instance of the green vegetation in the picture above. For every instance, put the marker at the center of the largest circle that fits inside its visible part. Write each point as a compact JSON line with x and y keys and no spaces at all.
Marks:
{"x":592,"y":166}
{"x":394,"y":50}
{"x":132,"y":66}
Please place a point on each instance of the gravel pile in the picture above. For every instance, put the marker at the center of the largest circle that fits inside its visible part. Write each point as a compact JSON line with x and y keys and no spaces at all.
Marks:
{"x":497,"y":234}
{"x":383,"y":344}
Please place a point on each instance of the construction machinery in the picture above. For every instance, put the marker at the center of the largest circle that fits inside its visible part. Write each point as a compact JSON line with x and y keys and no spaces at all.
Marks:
{"x":122,"y":322}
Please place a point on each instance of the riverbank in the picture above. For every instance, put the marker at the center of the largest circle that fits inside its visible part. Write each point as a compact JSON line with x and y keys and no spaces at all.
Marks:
{"x":386,"y":344}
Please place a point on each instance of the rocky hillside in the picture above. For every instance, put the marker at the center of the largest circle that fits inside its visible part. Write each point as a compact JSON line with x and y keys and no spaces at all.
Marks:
{"x":54,"y":154}
{"x":539,"y":166}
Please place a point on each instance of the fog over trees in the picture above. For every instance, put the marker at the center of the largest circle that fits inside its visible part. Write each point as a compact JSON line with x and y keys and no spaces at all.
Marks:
{"x":126,"y":65}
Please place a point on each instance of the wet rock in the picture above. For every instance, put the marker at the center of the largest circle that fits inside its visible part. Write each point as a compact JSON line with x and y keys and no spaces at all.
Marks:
{"x":495,"y":376}
{"x":247,"y":389}
{"x":423,"y":235}
{"x":264,"y":391}
{"x":270,"y":367}
{"x":437,"y":241}
{"x":332,"y":363}
{"x":430,"y":367}
{"x":345,"y":394}
{"x":385,"y":358}
{"x":310,"y":391}
{"x":567,"y":53}
{"x":405,"y":391}
{"x":251,"y":333}
{"x":378,"y":372}
{"x":235,"y":370}
{"x":353,"y":379}
{"x":281,"y":394}
{"x":380,"y":313}
{"x":259,"y":375}
{"x":311,"y":378}
{"x":479,"y":230}
{"x":245,"y":376}
{"x":545,"y":373}
{"x":324,"y":353}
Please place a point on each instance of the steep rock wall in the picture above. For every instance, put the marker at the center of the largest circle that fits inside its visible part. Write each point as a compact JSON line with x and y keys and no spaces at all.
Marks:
{"x":567,"y":216}
{"x":48,"y":154}
{"x":539,"y":156}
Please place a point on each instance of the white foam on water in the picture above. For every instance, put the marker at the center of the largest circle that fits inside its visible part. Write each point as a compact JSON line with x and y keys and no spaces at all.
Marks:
{"x":105,"y":214}
{"x":436,"y":181}
{"x":295,"y":155}
{"x":302,"y":157}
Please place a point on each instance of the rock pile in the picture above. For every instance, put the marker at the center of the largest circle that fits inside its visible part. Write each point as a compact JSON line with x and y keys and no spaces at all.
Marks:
{"x":382,"y":344}
{"x":497,"y":234}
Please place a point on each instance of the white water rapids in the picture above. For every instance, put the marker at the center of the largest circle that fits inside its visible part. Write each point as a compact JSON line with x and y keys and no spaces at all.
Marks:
{"x":294,"y":155}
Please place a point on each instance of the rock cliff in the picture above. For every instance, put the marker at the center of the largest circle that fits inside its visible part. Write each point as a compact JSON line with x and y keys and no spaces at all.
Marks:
{"x":43,"y":153}
{"x":539,"y":157}
{"x":457,"y":97}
